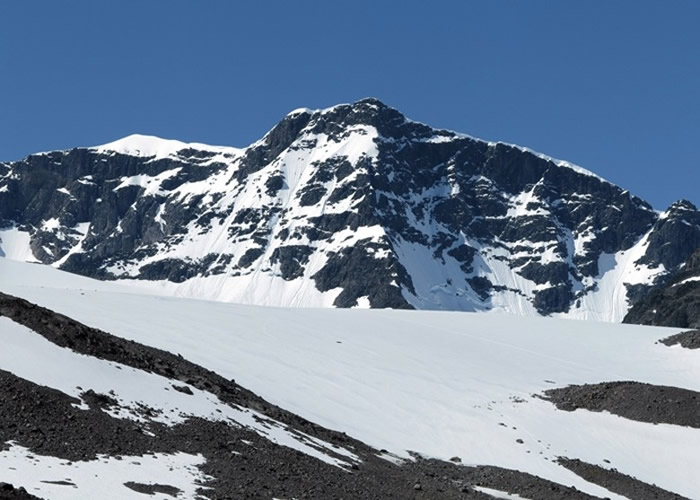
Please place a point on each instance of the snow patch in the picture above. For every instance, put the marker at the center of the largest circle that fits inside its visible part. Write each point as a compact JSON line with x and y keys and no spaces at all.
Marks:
{"x":149,"y":146}
{"x":15,"y":245}
{"x":608,"y":301}
{"x":688,"y":280}
{"x":50,"y":224}
{"x":58,"y":479}
{"x":498,"y":493}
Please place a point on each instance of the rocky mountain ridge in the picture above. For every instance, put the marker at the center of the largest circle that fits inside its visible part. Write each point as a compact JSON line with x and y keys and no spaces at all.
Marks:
{"x":351,"y":206}
{"x":676,"y":303}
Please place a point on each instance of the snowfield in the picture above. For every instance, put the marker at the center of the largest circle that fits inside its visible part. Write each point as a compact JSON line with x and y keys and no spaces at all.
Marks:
{"x":73,"y":374}
{"x":440,"y":384}
{"x":57,"y":479}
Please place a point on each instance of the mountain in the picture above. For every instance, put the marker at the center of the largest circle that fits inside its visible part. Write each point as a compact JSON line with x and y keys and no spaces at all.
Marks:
{"x":110,"y":392}
{"x":350,"y":206}
{"x":676,"y":303}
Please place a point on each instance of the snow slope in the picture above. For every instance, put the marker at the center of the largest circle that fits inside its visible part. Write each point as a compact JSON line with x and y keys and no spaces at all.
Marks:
{"x":437,"y":383}
{"x":156,"y":148}
{"x":607,"y":301}
{"x":51,"y":477}
{"x":72,"y":374}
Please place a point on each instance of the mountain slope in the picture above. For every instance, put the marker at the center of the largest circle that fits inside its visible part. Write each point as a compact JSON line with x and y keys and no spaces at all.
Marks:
{"x":563,"y":401}
{"x":152,"y":422}
{"x":352,"y":206}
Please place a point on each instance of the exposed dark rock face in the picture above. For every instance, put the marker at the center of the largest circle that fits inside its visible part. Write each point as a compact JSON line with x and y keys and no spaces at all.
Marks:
{"x":439,"y":209}
{"x":675,"y":237}
{"x":341,"y":271}
{"x":676,"y":303}
{"x":240,"y":462}
{"x":152,"y":489}
{"x":655,"y":404}
{"x":292,"y":259}
{"x":9,"y":492}
{"x":688,"y":340}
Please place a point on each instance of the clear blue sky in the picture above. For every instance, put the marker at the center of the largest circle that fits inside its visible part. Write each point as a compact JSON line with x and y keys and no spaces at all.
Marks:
{"x":612,"y":86}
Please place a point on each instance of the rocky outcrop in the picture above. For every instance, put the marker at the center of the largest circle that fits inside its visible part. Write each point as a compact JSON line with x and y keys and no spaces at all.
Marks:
{"x":676,"y":303}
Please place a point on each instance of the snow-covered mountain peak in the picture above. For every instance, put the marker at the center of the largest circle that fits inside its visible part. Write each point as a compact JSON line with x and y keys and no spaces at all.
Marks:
{"x":153,"y":147}
{"x":301,"y":111}
{"x":680,"y":206}
{"x":353,"y":206}
{"x":371,"y":104}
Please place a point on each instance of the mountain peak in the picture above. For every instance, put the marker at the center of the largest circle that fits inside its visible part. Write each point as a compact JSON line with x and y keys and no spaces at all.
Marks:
{"x":353,"y":205}
{"x":681,"y":206}
{"x":150,"y":146}
{"x":370,"y":101}
{"x":365,"y":103}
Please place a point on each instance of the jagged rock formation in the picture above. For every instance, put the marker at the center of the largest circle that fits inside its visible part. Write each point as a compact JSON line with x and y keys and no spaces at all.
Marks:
{"x":677,"y":303}
{"x":350,"y":206}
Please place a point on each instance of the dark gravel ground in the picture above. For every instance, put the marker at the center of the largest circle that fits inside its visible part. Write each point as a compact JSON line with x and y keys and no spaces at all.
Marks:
{"x":617,"y":482}
{"x":689,"y":339}
{"x":46,"y":422}
{"x":9,"y":492}
{"x":656,"y":404}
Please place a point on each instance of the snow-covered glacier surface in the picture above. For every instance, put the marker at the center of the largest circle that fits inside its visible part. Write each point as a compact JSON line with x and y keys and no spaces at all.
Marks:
{"x":441,"y":384}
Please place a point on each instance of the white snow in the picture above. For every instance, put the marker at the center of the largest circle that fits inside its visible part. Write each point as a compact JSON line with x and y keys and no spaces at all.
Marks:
{"x":519,"y":205}
{"x":150,"y":184}
{"x":435,"y":383}
{"x":101,"y":478}
{"x":50,"y":224}
{"x":688,"y":280}
{"x":87,"y":180}
{"x":72,"y":374}
{"x":363,"y":303}
{"x":300,"y":111}
{"x":14,"y":244}
{"x":82,"y":228}
{"x":499,"y":494}
{"x":154,"y":147}
{"x":609,"y":302}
